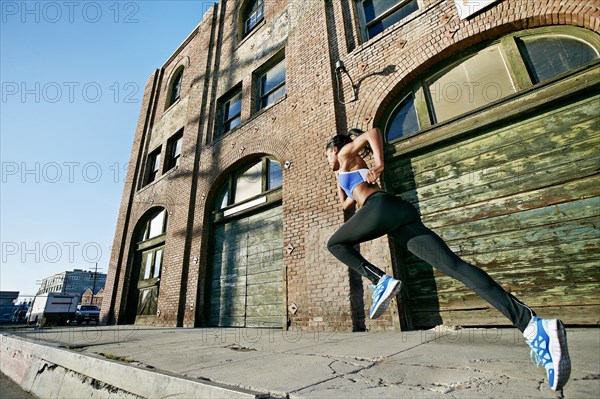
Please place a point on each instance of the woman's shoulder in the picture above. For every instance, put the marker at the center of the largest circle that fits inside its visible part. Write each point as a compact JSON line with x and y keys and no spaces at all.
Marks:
{"x":353,"y":163}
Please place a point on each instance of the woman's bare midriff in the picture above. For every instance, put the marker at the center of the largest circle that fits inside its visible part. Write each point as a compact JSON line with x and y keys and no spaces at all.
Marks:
{"x":363,"y":191}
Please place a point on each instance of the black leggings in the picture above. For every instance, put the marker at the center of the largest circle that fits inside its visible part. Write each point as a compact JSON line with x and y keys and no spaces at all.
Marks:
{"x":384,"y":213}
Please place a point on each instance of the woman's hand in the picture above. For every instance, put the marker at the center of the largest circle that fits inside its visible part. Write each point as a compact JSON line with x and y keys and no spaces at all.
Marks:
{"x":374,"y":173}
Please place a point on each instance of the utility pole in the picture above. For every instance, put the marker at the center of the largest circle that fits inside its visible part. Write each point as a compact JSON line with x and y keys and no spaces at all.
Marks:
{"x":94,"y":289}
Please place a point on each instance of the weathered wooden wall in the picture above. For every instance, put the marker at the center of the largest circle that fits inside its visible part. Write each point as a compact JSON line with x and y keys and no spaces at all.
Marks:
{"x":247,"y":261}
{"x":521,"y":201}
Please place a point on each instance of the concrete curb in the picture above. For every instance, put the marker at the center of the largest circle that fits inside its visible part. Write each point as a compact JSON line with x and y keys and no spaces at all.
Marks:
{"x":51,"y":372}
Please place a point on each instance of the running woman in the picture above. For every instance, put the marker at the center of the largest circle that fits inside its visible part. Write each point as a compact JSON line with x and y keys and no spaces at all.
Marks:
{"x":383,"y":213}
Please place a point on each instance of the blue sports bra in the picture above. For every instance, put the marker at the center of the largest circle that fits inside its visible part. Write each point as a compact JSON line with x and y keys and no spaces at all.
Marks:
{"x":349,"y":180}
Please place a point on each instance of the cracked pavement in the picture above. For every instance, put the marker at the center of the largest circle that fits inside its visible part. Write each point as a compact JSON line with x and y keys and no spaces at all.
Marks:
{"x":438,"y":363}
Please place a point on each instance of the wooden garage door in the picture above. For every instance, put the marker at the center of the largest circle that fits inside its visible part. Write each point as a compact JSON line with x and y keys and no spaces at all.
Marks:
{"x":520,"y":200}
{"x":247,"y":261}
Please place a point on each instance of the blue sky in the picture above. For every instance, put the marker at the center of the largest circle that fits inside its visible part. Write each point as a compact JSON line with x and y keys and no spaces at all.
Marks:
{"x":73,"y":75}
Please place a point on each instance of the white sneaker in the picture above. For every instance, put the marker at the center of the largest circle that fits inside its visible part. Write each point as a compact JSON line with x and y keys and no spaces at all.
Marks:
{"x":548,"y":341}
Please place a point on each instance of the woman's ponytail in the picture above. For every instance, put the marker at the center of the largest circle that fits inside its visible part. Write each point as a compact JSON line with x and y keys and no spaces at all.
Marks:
{"x":354,"y":133}
{"x":340,"y":140}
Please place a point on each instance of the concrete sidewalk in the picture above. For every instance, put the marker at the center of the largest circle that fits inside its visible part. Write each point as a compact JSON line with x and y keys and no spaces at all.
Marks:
{"x":438,"y":363}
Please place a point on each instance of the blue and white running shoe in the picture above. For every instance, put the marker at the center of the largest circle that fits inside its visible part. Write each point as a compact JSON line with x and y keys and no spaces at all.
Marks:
{"x":548,"y":341}
{"x":387,"y":288}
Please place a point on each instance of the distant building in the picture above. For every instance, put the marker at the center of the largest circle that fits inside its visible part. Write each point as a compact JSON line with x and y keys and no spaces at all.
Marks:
{"x":96,"y":299}
{"x":73,"y":282}
{"x":7,"y":304}
{"x":8,"y":298}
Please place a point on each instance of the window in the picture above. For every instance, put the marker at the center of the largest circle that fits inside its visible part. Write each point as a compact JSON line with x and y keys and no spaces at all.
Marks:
{"x":223,"y":197}
{"x":252,"y":15}
{"x":487,"y":74}
{"x":157,"y":262}
{"x":377,"y":15}
{"x":147,"y":265}
{"x":153,"y":166}
{"x":274,"y":174}
{"x":271,"y":85}
{"x":175,"y":87}
{"x":230,"y":109}
{"x":154,"y":225}
{"x":151,"y":263}
{"x":549,"y":56}
{"x":249,"y":182}
{"x":471,"y":83}
{"x":174,"y":150}
{"x":403,"y":120}
{"x":157,"y":225}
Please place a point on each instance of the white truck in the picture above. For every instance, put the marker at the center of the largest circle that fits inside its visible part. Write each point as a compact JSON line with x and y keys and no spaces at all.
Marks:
{"x":54,"y":307}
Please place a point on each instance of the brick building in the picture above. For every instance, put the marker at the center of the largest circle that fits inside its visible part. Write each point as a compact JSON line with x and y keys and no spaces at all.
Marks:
{"x":490,"y":122}
{"x":75,"y":281}
{"x":89,"y":298}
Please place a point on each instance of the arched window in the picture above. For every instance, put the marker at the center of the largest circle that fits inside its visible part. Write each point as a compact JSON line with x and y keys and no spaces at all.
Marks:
{"x":487,"y":74}
{"x":153,"y":225}
{"x":252,"y":14}
{"x":472,"y":82}
{"x":175,"y":87}
{"x":403,"y":119}
{"x":249,"y":182}
{"x":547,"y":56}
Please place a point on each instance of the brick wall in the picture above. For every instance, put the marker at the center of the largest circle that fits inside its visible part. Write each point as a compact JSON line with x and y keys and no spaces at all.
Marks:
{"x":315,"y":34}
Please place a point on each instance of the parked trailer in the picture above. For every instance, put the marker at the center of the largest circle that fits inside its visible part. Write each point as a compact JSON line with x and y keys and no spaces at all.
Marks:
{"x":55,"y":307}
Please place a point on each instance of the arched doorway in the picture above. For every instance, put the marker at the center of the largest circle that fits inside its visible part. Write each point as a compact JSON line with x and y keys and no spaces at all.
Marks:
{"x":245,"y":283}
{"x":148,"y":245}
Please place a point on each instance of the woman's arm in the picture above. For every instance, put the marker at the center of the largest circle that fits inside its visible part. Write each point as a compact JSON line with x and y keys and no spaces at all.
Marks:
{"x":348,"y":203}
{"x":374,"y":138}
